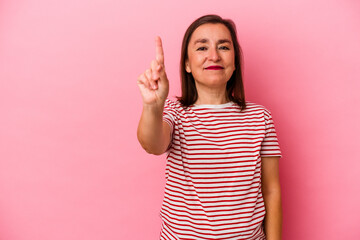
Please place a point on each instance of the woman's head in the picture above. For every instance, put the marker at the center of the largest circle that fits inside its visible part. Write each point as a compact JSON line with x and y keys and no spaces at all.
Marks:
{"x":231,"y":60}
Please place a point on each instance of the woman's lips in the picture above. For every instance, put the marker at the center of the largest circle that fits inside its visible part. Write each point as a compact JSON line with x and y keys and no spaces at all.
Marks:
{"x":214,"y":68}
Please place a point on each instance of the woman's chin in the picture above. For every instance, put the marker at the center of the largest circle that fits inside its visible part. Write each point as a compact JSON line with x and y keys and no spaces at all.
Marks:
{"x":213,"y":83}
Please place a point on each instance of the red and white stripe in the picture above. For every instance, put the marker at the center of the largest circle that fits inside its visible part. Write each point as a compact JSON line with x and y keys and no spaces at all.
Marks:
{"x":213,"y":171}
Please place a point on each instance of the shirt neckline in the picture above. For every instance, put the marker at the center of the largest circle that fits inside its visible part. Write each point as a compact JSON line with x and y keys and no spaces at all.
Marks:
{"x":223,"y":105}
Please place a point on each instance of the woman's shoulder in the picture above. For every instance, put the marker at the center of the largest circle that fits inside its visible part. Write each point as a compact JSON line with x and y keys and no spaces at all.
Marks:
{"x":252,"y":106}
{"x":172,"y":103}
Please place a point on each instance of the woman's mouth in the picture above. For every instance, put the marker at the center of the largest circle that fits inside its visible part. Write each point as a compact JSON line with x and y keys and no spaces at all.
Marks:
{"x":214,"y":68}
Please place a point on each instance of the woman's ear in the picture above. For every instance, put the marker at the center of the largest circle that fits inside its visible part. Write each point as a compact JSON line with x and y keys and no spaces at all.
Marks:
{"x":187,"y":66}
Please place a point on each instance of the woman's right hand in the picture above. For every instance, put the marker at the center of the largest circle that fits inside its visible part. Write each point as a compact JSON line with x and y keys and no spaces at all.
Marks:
{"x":153,"y":83}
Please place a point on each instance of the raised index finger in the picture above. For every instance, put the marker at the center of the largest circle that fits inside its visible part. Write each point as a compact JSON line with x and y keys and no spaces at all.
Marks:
{"x":159,"y":50}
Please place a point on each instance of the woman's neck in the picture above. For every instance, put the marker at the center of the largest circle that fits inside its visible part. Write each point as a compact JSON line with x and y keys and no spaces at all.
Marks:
{"x":213,"y":96}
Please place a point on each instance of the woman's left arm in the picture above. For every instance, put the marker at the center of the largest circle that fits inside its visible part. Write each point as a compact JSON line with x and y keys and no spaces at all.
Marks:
{"x":271,"y":191}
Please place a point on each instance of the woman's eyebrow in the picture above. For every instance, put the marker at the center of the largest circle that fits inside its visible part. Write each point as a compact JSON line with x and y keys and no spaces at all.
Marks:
{"x":224,"y":41}
{"x":205,"y":40}
{"x":202,"y":40}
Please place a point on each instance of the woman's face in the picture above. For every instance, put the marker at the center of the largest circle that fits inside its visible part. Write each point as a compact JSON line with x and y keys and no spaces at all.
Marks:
{"x":211,"y":56}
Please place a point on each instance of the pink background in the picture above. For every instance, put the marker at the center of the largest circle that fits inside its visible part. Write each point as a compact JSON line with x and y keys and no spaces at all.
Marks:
{"x":70,"y":164}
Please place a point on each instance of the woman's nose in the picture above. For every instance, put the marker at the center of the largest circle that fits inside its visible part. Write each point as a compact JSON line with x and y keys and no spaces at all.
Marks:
{"x":214,"y":55}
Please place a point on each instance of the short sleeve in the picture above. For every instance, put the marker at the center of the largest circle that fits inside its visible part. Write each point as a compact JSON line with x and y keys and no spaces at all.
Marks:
{"x":270,"y":145}
{"x":169,"y":113}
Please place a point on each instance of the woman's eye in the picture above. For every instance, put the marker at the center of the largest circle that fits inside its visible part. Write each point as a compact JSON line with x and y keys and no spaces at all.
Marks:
{"x":201,"y":49}
{"x":224,"y":48}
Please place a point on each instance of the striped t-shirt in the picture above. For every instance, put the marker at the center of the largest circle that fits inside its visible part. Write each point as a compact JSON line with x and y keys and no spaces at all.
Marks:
{"x":213,"y":181}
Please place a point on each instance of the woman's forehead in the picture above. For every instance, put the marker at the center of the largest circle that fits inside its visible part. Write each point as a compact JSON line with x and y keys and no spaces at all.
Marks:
{"x":211,"y":32}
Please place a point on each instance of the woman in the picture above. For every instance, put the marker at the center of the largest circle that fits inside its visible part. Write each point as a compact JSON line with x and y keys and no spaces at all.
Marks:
{"x":222,"y":179}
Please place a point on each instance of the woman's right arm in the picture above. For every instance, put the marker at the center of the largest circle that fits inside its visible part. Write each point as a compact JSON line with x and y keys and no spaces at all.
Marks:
{"x":153,"y":133}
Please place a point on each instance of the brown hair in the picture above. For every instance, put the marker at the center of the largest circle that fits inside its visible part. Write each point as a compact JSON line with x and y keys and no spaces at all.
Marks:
{"x":234,"y":87}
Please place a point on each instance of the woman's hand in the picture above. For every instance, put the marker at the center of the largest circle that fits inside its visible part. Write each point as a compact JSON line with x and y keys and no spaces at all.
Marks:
{"x":153,"y":83}
{"x":153,"y":133}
